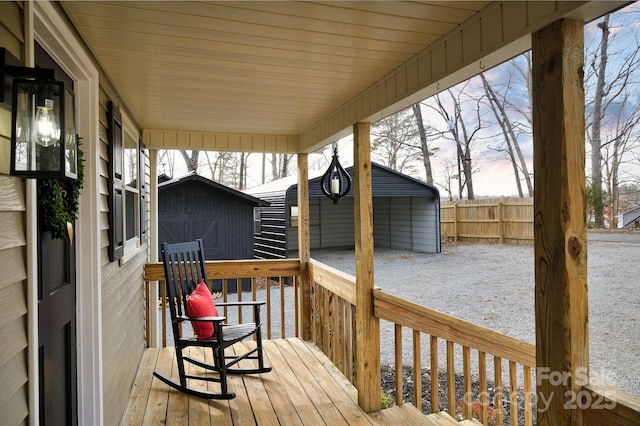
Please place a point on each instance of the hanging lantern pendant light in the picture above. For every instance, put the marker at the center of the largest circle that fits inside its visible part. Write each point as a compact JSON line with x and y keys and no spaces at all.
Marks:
{"x":336,"y":182}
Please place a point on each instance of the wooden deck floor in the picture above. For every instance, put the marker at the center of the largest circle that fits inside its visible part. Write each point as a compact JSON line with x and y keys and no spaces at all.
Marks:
{"x":304,"y":388}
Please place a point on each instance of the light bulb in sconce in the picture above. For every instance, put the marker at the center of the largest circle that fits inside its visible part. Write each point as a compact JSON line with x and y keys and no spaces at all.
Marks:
{"x":47,"y":132}
{"x":335,"y":183}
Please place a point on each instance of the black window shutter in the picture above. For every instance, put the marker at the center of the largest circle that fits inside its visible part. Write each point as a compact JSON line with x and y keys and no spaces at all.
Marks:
{"x":116,"y":194}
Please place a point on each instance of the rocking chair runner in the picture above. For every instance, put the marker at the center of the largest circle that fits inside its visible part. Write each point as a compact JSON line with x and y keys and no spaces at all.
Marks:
{"x":184,"y":268}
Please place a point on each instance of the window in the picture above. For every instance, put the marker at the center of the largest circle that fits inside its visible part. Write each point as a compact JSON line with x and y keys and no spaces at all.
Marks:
{"x":126,"y":183}
{"x":294,"y":216}
{"x":257,"y":220}
{"x":132,"y":192}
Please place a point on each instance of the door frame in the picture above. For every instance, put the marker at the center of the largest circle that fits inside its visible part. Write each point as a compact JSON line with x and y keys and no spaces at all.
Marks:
{"x":44,"y":25}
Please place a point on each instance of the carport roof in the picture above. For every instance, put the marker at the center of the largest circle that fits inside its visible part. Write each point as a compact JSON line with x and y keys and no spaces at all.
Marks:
{"x":385,"y":182}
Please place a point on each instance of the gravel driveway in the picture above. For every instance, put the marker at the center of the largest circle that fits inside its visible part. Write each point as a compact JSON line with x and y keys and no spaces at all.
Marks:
{"x":493,"y":285}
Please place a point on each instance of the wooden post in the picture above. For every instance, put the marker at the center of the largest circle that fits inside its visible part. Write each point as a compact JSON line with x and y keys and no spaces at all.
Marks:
{"x":562,"y":355}
{"x":455,"y":221}
{"x":500,"y":222}
{"x":367,"y":325}
{"x":304,"y":245}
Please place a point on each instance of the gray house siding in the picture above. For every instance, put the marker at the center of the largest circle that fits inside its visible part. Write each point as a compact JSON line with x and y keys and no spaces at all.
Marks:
{"x":14,"y":405}
{"x":122,"y":300}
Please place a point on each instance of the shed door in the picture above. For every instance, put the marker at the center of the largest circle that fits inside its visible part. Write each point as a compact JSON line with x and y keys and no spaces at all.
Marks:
{"x":180,"y":227}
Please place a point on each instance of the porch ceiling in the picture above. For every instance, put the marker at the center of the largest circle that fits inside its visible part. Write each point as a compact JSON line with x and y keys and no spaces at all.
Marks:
{"x":288,"y":70}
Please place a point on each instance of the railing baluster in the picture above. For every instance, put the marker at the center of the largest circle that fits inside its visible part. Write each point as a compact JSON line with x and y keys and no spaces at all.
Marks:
{"x":417,"y":371}
{"x":239,"y":290}
{"x":282,"y":333}
{"x":513,"y":394}
{"x":497,"y":380}
{"x":398,"y":366}
{"x":482,"y":381}
{"x":225,"y":299}
{"x":451,"y":380}
{"x":435,"y":384}
{"x":467,"y":397}
{"x":295,"y":307}
{"x":528,"y":411}
{"x":163,"y":294}
{"x":268,"y":303}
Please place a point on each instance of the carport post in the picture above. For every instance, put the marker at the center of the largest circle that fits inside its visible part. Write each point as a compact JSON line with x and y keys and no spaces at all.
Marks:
{"x":367,"y":325}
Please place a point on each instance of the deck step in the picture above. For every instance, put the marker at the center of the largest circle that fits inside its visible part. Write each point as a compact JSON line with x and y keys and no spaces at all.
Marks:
{"x":470,"y":422}
{"x":443,"y":418}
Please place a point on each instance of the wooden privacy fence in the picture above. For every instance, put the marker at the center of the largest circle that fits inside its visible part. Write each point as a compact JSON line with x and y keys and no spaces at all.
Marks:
{"x":504,"y":220}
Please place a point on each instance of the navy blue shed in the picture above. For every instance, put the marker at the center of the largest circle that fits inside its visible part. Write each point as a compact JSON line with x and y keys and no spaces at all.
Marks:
{"x":193,"y":206}
{"x":406,"y":215}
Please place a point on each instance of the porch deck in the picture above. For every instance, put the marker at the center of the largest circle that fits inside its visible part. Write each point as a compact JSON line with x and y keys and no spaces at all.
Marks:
{"x":303,"y":388}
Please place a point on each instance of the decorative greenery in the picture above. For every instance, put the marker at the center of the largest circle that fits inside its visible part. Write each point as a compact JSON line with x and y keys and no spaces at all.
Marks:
{"x":58,"y":200}
{"x":387,"y":401}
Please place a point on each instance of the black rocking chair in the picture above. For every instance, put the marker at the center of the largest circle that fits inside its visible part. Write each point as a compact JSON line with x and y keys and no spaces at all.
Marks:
{"x":184,"y":268}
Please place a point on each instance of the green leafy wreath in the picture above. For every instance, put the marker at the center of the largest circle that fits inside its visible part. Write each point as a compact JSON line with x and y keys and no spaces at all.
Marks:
{"x":58,"y":200}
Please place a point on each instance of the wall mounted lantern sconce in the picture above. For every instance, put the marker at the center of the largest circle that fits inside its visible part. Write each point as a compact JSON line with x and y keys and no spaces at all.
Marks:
{"x":40,"y":147}
{"x":336,"y":182}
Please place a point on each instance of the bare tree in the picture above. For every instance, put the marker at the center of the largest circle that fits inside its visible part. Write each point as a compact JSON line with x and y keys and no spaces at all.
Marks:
{"x":191,"y":160}
{"x":497,"y":106}
{"x":280,"y":165}
{"x":461,"y":132}
{"x":614,"y":67}
{"x":393,"y":141}
{"x":617,"y":148}
{"x":596,"y":155}
{"x":166,"y":162}
{"x":242,"y":173}
{"x":424,"y":146}
{"x":449,"y":175}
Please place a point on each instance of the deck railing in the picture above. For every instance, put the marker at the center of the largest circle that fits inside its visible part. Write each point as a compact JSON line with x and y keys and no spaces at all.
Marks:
{"x":510,"y":356}
{"x":267,"y":280}
{"x":333,"y":297}
{"x":455,"y":348}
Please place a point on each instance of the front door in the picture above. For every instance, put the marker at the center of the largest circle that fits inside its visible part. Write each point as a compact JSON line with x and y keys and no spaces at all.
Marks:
{"x":57,"y":304}
{"x":57,"y":331}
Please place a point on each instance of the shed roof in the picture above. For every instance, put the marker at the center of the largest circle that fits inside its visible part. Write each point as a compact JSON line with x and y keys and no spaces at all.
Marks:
{"x":193,"y":177}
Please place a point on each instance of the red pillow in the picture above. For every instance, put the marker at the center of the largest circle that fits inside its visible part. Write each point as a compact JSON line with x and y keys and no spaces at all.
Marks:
{"x":201,"y":304}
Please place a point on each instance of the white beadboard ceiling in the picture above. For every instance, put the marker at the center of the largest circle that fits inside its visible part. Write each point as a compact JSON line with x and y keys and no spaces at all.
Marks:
{"x":261,"y":68}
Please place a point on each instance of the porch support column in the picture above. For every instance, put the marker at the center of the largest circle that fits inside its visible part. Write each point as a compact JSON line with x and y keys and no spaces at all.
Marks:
{"x":367,"y":325}
{"x":562,"y":355}
{"x":304,"y":245}
{"x":153,"y":246}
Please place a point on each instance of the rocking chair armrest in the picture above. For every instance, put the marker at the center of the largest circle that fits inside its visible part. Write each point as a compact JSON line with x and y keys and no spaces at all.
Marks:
{"x":208,"y":319}
{"x":247,"y":303}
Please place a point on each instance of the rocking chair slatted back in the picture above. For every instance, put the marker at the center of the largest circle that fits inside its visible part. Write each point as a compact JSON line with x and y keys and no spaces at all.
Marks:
{"x":185,"y":268}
